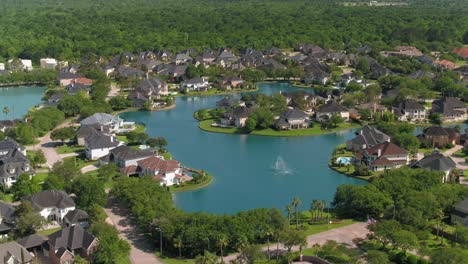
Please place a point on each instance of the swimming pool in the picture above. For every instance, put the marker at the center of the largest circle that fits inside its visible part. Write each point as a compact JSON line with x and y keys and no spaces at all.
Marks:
{"x":343,"y":160}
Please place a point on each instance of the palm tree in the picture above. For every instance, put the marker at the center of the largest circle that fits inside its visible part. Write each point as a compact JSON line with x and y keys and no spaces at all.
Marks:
{"x":6,"y":111}
{"x":241,"y":243}
{"x":222,"y":242}
{"x":207,"y":258}
{"x":289,"y":211}
{"x":179,"y":245}
{"x":268,"y":233}
{"x":323,"y":205}
{"x":296,"y":202}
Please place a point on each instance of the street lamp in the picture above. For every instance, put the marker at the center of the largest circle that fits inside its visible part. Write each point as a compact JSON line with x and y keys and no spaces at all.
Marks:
{"x":160,"y":241}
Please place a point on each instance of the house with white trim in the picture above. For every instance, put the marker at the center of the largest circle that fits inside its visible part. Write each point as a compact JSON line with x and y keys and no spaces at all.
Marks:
{"x":53,"y":205}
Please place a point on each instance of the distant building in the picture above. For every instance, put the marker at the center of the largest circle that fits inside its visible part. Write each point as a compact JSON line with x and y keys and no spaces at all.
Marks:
{"x":459,"y":214}
{"x":325,"y":111}
{"x":438,"y":162}
{"x":451,"y":108}
{"x":293,"y":119}
{"x":48,"y":63}
{"x":409,"y":110}
{"x":195,"y":85}
{"x":13,"y":162}
{"x":103,"y":120}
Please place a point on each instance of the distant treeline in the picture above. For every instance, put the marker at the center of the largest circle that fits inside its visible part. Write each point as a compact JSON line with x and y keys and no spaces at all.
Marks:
{"x":67,"y":29}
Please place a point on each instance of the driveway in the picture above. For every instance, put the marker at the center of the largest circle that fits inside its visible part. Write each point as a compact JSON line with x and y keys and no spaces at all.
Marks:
{"x":141,"y":251}
{"x":114,"y":91}
{"x":461,"y":165}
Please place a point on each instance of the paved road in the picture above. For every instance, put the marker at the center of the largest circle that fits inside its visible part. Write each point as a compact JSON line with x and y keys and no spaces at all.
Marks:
{"x":343,"y":235}
{"x":141,"y":252}
{"x":459,"y":161}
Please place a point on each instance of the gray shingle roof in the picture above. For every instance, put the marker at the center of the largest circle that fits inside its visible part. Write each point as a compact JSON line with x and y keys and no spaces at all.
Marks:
{"x":12,"y":161}
{"x":13,"y":249}
{"x":369,"y":136}
{"x":31,"y":241}
{"x":128,"y":153}
{"x":294,"y":114}
{"x":100,"y":141}
{"x":410,"y":104}
{"x":76,"y":216}
{"x":50,"y":198}
{"x":7,"y":212}
{"x":332,"y":107}
{"x":71,"y":238}
{"x":436,"y":162}
{"x":100,"y":119}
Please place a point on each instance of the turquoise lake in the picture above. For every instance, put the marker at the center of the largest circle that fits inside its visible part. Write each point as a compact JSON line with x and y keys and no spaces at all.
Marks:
{"x":20,"y":99}
{"x":249,"y":171}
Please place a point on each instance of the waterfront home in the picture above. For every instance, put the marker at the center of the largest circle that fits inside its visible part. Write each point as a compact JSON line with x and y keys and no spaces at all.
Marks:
{"x":85,"y":131}
{"x":75,"y":88}
{"x":14,"y":253}
{"x":439,"y":137}
{"x":230,"y":82}
{"x":325,"y":111}
{"x":438,"y":162}
{"x":383,"y":156}
{"x":373,"y":107}
{"x":66,"y":78}
{"x":451,"y":108}
{"x":13,"y":162}
{"x":64,"y":245}
{"x":76,"y":217}
{"x":459,"y":215}
{"x":20,"y":64}
{"x":409,"y":110}
{"x":228,"y":103}
{"x":449,"y":65}
{"x":6,"y":124}
{"x":236,"y":116}
{"x":316,"y":73}
{"x":167,"y":172}
{"x":114,"y":123}
{"x":195,"y":85}
{"x":7,"y":218}
{"x":54,"y":99}
{"x":130,"y":72}
{"x":124,"y":156}
{"x":367,"y":137}
{"x":226,"y":57}
{"x":48,"y":63}
{"x":302,"y":100}
{"x":99,"y":145}
{"x":293,"y":119}
{"x":53,"y":205}
{"x":146,"y":90}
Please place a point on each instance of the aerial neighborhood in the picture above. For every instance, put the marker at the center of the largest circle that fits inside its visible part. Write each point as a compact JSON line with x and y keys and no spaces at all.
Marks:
{"x":104,"y":144}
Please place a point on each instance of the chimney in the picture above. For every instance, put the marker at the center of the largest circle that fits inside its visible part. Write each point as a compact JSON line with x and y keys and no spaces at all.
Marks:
{"x":112,"y":138}
{"x":379,"y":152}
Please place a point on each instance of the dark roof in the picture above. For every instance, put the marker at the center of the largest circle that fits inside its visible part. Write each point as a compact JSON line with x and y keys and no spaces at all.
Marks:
{"x":12,"y":161}
{"x":68,"y":75}
{"x":420,"y":74}
{"x":386,"y":149}
{"x":462,"y":206}
{"x":32,"y":241}
{"x":75,"y":88}
{"x":332,"y":107}
{"x":71,"y":238}
{"x":436,"y":162}
{"x":448,"y":106}
{"x":436,"y":131}
{"x":50,"y":198}
{"x":294,"y":114}
{"x":410,"y":104}
{"x":228,"y":102}
{"x":100,"y":141}
{"x":240,"y":112}
{"x":76,"y":216}
{"x":369,"y":136}
{"x":13,"y":249}
{"x":85,"y":131}
{"x":7,"y":212}
{"x":127,"y":153}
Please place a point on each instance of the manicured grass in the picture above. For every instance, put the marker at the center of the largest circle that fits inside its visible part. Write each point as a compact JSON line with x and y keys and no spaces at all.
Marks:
{"x":40,"y":177}
{"x":313,"y":131}
{"x":65,"y":149}
{"x":81,"y":162}
{"x":318,"y":228}
{"x":460,"y":154}
{"x":139,"y":128}
{"x":8,"y":198}
{"x":167,"y":156}
{"x":48,"y":231}
{"x":188,"y":186}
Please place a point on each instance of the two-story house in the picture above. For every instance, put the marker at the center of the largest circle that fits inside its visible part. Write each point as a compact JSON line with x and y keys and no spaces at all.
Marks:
{"x":99,"y":145}
{"x":195,"y":85}
{"x":167,"y":172}
{"x":451,"y":108}
{"x":293,"y":119}
{"x":124,"y":156}
{"x":383,"y":156}
{"x":53,"y":205}
{"x":438,"y":162}
{"x":13,"y":162}
{"x":409,"y":110}
{"x":367,"y":137}
{"x":329,"y":109}
{"x":103,"y":120}
{"x":66,"y":244}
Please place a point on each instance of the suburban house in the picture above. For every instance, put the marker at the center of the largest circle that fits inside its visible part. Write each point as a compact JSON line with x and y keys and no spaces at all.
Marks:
{"x":302,"y":100}
{"x":229,"y":83}
{"x":228,"y":103}
{"x":13,"y":162}
{"x":20,"y":64}
{"x":459,"y":214}
{"x":367,"y":137}
{"x":409,"y":110}
{"x":167,"y":172}
{"x":383,"y":156}
{"x":130,"y":72}
{"x":450,"y":65}
{"x":85,"y":131}
{"x":124,"y":156}
{"x":437,"y":162}
{"x":53,"y":205}
{"x":147,"y":89}
{"x":103,"y":120}
{"x":54,"y":99}
{"x":293,"y":119}
{"x":14,"y":253}
{"x":69,"y":242}
{"x":409,"y":51}
{"x":48,"y":63}
{"x":75,"y":88}
{"x":236,"y":116}
{"x":439,"y":137}
{"x":67,"y":78}
{"x":7,"y":218}
{"x":33,"y":243}
{"x":195,"y":85}
{"x":99,"y":145}
{"x":451,"y":108}
{"x":325,"y":111}
{"x":76,"y":217}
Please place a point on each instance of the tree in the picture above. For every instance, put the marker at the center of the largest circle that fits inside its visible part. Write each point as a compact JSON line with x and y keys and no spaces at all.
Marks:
{"x":111,"y":249}
{"x":363,"y":66}
{"x":289,"y":210}
{"x":290,"y":238}
{"x":27,"y":221}
{"x":336,"y":119}
{"x":162,"y":143}
{"x":64,"y":172}
{"x":435,"y":119}
{"x":384,"y":229}
{"x":405,"y":240}
{"x":250,"y":124}
{"x":107,"y":172}
{"x":250,"y":254}
{"x":377,"y":257}
{"x":206,"y":258}
{"x":222,"y":242}
{"x":71,"y":105}
{"x":178,"y":243}
{"x":39,"y":157}
{"x":119,"y":103}
{"x":295,"y":203}
{"x":449,"y":256}
{"x":461,"y":235}
{"x":89,"y":192}
{"x":63,"y":134}
{"x":25,"y":185}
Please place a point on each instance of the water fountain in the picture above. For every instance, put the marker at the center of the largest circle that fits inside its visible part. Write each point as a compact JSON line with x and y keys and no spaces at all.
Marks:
{"x":281,"y":167}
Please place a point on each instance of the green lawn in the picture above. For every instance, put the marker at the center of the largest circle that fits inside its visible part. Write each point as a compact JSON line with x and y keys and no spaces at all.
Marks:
{"x":40,"y":177}
{"x":186,"y":187}
{"x":176,"y":261}
{"x":48,"y":231}
{"x":81,"y":162}
{"x":7,"y":198}
{"x":65,"y":149}
{"x":460,"y":154}
{"x":318,"y":228}
{"x":313,"y":131}
{"x":167,"y":156}
{"x":139,"y":128}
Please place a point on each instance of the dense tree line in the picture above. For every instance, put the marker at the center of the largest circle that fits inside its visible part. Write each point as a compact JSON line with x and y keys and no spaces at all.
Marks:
{"x":70,"y":29}
{"x":190,"y":234}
